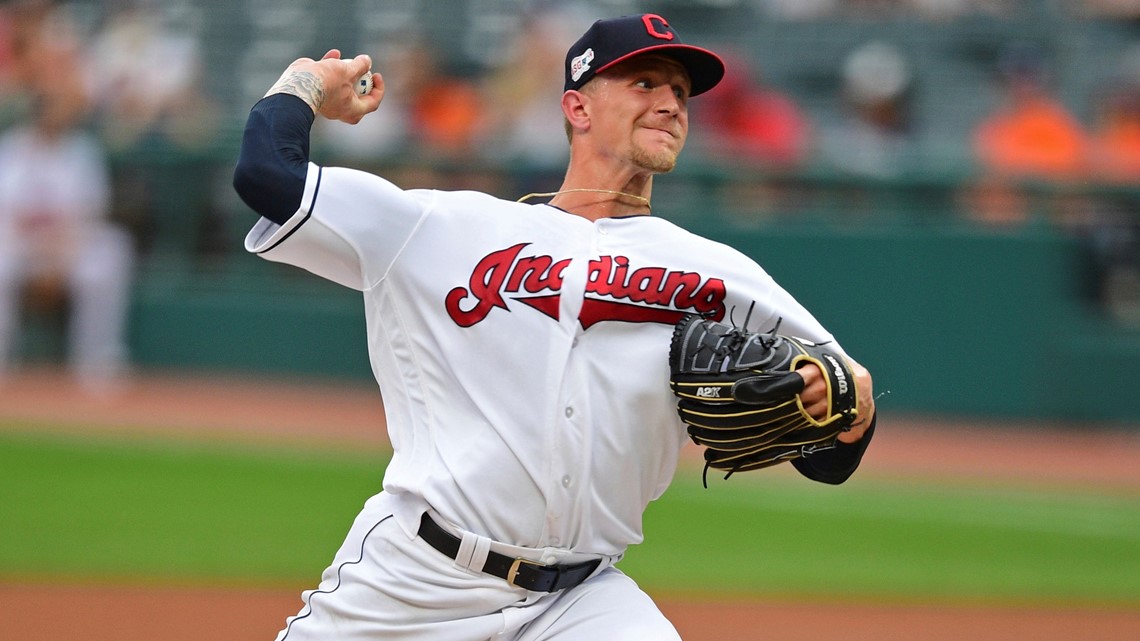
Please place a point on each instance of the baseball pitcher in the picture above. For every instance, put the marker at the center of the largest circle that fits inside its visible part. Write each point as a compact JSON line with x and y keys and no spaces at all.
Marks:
{"x":542,"y":362}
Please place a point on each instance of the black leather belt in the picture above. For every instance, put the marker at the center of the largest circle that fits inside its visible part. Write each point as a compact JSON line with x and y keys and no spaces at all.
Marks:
{"x":518,"y":572}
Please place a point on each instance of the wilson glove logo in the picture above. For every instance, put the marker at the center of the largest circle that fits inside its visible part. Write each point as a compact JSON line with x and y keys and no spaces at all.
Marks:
{"x":614,"y":291}
{"x":708,"y":392}
{"x":840,"y":376}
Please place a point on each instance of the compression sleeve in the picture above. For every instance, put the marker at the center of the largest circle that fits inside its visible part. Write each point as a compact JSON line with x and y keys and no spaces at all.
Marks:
{"x":836,"y":465}
{"x":273,"y":162}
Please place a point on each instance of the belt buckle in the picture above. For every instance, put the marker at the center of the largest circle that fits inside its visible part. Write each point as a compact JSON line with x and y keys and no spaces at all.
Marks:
{"x":513,"y":573}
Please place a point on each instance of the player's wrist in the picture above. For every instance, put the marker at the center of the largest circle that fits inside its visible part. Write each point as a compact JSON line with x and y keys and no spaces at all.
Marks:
{"x":303,"y":84}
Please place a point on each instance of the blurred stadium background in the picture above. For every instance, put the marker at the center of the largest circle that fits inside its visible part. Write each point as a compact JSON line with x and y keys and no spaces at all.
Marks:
{"x":976,"y":273}
{"x":952,"y":186}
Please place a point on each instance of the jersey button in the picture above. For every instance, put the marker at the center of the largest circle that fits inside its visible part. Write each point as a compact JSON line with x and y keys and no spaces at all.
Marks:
{"x":566,"y":480}
{"x":569,"y":412}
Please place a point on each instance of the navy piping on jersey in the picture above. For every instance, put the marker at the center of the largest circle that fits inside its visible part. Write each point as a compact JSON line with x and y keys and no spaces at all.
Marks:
{"x":308,"y":214}
{"x":339,"y":569}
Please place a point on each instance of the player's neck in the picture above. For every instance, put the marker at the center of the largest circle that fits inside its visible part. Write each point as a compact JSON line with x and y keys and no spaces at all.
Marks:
{"x":596,"y":197}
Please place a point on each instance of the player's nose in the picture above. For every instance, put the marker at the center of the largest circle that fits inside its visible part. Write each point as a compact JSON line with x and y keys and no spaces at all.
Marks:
{"x":667,"y":101}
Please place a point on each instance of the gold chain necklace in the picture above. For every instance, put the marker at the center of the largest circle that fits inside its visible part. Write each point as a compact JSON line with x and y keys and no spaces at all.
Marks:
{"x":596,"y":191}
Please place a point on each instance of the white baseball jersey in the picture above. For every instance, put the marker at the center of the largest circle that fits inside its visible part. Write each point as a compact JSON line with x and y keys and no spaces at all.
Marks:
{"x":64,"y":179}
{"x":522,"y":351}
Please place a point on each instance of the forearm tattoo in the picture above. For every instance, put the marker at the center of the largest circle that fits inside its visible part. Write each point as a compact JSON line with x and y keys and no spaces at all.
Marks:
{"x":303,"y":84}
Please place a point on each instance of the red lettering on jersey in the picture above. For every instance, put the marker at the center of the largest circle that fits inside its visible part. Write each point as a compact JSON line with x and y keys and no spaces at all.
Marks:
{"x":536,"y":274}
{"x":595,"y":311}
{"x":645,"y":286}
{"x":605,"y":274}
{"x":546,"y":304}
{"x":609,"y":276}
{"x":652,"y":28}
{"x":644,"y":295}
{"x":486,"y":287}
{"x":704,"y":297}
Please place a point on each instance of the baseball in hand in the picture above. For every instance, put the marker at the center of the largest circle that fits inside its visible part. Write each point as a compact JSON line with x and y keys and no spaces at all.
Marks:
{"x":364,"y":84}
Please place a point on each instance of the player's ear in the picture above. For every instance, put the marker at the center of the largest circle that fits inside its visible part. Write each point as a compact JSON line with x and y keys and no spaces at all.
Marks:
{"x":574,"y":108}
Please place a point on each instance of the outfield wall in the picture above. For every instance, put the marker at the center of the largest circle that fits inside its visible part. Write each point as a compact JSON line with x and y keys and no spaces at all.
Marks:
{"x":950,"y":322}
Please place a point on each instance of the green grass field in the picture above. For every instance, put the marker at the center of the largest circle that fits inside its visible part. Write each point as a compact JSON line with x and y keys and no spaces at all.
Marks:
{"x":106,"y":508}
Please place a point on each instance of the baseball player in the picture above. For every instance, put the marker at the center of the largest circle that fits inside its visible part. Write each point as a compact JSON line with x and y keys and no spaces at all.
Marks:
{"x":521,"y":350}
{"x":56,"y":232}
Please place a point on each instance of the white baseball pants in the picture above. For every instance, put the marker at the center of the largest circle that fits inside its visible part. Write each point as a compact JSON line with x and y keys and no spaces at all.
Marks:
{"x":386,"y":585}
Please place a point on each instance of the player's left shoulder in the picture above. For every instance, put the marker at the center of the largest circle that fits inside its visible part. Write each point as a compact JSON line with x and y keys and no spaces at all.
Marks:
{"x":696,"y":244}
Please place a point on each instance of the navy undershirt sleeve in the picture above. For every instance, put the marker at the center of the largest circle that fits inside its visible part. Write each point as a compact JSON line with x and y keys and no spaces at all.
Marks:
{"x":836,"y":465}
{"x":274,"y":158}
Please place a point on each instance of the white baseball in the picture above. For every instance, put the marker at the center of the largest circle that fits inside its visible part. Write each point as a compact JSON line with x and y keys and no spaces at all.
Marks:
{"x":364,"y":84}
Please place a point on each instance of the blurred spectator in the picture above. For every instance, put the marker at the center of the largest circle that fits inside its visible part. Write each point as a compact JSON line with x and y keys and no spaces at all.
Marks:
{"x":744,"y":120}
{"x":428,"y":111}
{"x":1112,"y":231}
{"x":1031,"y":135}
{"x":875,"y":137}
{"x":444,"y":108}
{"x":748,"y":124}
{"x":430,"y":117}
{"x":524,"y":120}
{"x":1116,"y":134}
{"x":384,"y":132}
{"x":148,"y":96}
{"x":32,"y":33}
{"x":55,"y":241}
{"x":8,"y":48}
{"x":148,"y":85}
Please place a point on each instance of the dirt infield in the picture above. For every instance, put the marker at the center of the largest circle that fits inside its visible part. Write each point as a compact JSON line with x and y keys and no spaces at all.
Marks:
{"x":132,"y":613}
{"x":322,"y":414}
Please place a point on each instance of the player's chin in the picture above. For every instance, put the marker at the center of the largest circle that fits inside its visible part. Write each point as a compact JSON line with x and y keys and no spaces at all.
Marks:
{"x":661,"y":161}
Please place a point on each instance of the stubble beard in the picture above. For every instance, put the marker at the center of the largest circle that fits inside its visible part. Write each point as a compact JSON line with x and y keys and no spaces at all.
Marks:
{"x":661,"y":162}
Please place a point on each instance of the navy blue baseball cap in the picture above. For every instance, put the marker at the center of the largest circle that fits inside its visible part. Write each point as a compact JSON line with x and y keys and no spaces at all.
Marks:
{"x":608,"y":42}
